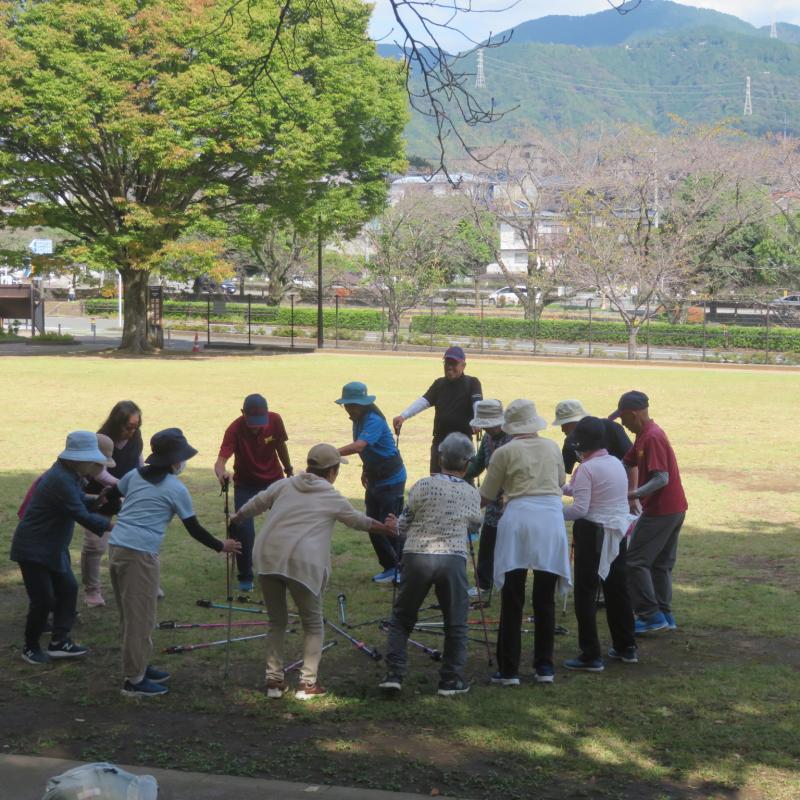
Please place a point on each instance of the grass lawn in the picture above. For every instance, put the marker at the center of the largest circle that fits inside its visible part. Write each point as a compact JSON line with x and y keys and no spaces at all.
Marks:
{"x":711,"y":710}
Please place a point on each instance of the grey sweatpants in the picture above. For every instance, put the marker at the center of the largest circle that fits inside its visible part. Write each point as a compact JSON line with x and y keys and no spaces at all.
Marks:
{"x":652,"y":551}
{"x":447,"y":574}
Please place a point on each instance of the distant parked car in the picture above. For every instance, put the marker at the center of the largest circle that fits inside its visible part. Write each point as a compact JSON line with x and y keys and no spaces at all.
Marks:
{"x":507,"y":296}
{"x":300,"y":282}
{"x":790,"y":301}
{"x":229,"y":287}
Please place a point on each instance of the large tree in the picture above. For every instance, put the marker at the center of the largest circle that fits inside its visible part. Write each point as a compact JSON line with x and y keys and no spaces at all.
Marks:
{"x":135,"y":125}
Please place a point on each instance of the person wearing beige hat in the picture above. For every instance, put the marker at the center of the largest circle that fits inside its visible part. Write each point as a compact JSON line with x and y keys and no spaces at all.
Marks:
{"x":489,"y":419}
{"x":568,"y":414}
{"x":530,"y":535}
{"x":292,"y":553}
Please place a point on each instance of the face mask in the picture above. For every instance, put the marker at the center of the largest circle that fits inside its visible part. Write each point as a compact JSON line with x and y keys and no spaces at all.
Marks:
{"x":178,"y":468}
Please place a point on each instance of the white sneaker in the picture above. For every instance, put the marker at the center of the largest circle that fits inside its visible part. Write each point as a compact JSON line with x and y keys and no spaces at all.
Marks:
{"x":472,"y":592}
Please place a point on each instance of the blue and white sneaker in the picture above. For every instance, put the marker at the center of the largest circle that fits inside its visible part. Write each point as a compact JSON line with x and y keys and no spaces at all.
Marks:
{"x":630,"y":655}
{"x":246,"y":586}
{"x":387,"y":576}
{"x":655,"y":622}
{"x":156,"y":675}
{"x":498,"y":679}
{"x":581,"y":664}
{"x":671,"y":624}
{"x":544,"y":673}
{"x":145,"y":688}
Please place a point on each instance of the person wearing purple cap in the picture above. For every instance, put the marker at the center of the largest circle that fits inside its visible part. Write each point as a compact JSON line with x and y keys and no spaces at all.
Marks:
{"x":453,"y":398}
{"x":257,"y":441}
{"x":653,"y":546}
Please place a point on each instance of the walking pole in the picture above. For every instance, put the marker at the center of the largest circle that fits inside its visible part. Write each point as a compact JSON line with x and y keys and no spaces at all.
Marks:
{"x":212,"y":604}
{"x":171,"y":625}
{"x":396,"y":580}
{"x":228,"y":570}
{"x":436,"y":655}
{"x":480,"y":601}
{"x":341,"y":600}
{"x":188,"y":648}
{"x":368,"y":651}
{"x":299,"y":663}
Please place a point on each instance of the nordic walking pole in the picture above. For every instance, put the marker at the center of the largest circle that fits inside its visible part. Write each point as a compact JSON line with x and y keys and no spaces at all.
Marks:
{"x":357,"y":643}
{"x":212,"y":604}
{"x":341,"y":601}
{"x":188,"y":648}
{"x":480,"y":601}
{"x":228,"y":569}
{"x":436,"y":655}
{"x":299,"y":663}
{"x":171,"y":625}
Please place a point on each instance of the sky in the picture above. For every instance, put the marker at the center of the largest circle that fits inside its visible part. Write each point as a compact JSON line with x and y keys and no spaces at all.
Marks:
{"x":479,"y":25}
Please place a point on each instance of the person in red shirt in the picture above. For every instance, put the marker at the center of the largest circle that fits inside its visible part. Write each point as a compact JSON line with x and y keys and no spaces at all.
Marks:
{"x":653,"y":546}
{"x":257,"y":442}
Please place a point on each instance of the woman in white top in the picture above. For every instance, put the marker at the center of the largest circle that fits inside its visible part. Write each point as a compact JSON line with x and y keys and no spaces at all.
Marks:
{"x":530,"y":535}
{"x":599,"y":489}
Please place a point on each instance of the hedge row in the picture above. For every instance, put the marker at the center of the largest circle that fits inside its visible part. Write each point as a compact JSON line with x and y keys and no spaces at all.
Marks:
{"x":718,"y":337}
{"x":354,"y":319}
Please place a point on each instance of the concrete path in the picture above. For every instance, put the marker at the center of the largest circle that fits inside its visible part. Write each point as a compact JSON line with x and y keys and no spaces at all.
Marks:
{"x":25,"y":778}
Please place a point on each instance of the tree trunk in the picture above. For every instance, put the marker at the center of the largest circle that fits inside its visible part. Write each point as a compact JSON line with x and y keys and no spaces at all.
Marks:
{"x":394,"y":328}
{"x":134,"y":331}
{"x":633,"y":332}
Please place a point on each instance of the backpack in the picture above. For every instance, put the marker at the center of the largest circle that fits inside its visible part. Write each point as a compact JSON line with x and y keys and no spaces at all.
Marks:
{"x":102,"y":781}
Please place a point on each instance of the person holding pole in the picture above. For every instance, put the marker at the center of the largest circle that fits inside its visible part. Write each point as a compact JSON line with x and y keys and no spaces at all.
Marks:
{"x":257,"y":441}
{"x":453,"y":398}
{"x":383,"y":474}
{"x":292,"y":553}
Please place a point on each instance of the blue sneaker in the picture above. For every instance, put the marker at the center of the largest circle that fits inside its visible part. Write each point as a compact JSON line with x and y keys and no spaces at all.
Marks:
{"x":245,"y":586}
{"x":671,"y":624}
{"x":583,"y":664}
{"x":655,"y":622}
{"x":144,"y":688}
{"x":630,"y":655}
{"x":387,"y":576}
{"x":544,"y":673}
{"x":156,"y":675}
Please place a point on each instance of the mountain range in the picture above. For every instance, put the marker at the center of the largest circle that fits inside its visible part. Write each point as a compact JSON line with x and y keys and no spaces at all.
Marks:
{"x":659,"y":62}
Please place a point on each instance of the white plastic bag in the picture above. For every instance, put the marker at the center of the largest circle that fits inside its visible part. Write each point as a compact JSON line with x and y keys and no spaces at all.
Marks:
{"x":101,"y":782}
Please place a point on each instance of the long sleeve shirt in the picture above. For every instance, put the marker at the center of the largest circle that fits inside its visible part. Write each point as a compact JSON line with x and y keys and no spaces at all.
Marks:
{"x":525,"y":467}
{"x":599,"y":488}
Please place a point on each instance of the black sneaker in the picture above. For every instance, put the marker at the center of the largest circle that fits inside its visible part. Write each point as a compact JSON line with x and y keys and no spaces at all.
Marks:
{"x":630,"y":655}
{"x":452,"y":687}
{"x":34,"y":656}
{"x":156,"y":675}
{"x":392,"y":681}
{"x":504,"y":680}
{"x":66,"y":649}
{"x":145,"y":688}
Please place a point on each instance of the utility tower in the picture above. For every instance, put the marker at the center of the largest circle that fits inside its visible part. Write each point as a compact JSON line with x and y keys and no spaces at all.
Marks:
{"x":480,"y":76}
{"x":748,"y":101}
{"x":773,"y":31}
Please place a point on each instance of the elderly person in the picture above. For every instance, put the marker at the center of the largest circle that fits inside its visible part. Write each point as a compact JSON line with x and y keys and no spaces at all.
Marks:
{"x":531,"y":535}
{"x":153,"y":496}
{"x":453,"y":398}
{"x":41,"y":545}
{"x":599,"y":490}
{"x":257,"y":441}
{"x":489,"y":419}
{"x":293,"y":554}
{"x":441,"y":511}
{"x":123,"y":427}
{"x":383,"y":474}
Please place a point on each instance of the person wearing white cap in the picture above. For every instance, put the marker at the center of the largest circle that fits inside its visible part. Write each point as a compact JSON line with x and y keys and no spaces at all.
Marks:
{"x":292,"y":552}
{"x":41,"y":545}
{"x":531,"y":535}
{"x":488,"y":418}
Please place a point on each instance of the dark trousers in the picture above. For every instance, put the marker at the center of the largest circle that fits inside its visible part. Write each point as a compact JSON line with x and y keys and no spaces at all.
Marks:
{"x":434,"y":465}
{"x":544,"y":611}
{"x":486,"y":557}
{"x":245,"y":532}
{"x":379,"y":503}
{"x":48,"y":591}
{"x":587,"y":538}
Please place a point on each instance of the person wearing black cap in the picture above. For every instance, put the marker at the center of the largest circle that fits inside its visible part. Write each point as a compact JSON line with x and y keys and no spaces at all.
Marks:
{"x":453,"y":398}
{"x":599,"y":489}
{"x":153,"y":495}
{"x":653,"y":546}
{"x":257,"y":441}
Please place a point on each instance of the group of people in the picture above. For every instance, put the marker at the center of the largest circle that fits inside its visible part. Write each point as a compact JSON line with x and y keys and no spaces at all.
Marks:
{"x":627,"y":510}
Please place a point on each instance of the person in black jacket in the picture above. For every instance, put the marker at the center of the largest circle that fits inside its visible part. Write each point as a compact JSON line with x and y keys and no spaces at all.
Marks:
{"x":453,"y":398}
{"x":41,"y":546}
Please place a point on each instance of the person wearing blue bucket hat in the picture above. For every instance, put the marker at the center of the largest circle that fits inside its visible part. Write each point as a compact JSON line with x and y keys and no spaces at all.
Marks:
{"x":383,"y":472}
{"x":40,"y":545}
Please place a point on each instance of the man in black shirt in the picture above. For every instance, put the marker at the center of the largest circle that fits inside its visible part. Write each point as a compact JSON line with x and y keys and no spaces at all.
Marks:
{"x":453,"y":398}
{"x":568,"y":414}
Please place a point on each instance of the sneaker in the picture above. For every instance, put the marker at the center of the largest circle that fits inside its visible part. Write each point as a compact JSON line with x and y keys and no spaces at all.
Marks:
{"x":276,"y":689}
{"x":34,"y":655}
{"x":387,"y":576}
{"x":308,"y":691}
{"x":391,"y":681}
{"x":452,"y":687}
{"x":156,"y":675}
{"x":94,"y":599}
{"x":630,"y":655}
{"x":161,"y":594}
{"x":498,"y":679}
{"x":671,"y":624}
{"x":472,"y":592}
{"x":66,"y":649}
{"x":544,"y":673}
{"x":145,"y":688}
{"x":245,"y":586}
{"x":655,"y":622}
{"x":585,"y":664}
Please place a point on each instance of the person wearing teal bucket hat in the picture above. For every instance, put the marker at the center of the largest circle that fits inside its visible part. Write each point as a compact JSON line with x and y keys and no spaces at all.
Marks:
{"x":383,"y":472}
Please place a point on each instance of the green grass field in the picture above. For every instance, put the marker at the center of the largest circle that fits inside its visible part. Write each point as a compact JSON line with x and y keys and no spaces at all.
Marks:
{"x":711,"y":710}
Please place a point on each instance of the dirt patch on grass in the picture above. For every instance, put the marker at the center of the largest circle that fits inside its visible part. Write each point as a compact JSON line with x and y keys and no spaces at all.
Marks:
{"x":745,"y":480}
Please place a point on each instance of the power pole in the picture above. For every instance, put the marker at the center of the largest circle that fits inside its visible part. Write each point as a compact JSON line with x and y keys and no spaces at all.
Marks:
{"x":480,"y":76}
{"x":773,"y":31}
{"x":748,"y":101}
{"x":657,"y":218}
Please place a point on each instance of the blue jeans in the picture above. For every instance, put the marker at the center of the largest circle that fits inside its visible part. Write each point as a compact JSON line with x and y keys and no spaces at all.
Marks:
{"x":245,"y":532}
{"x":380,"y":502}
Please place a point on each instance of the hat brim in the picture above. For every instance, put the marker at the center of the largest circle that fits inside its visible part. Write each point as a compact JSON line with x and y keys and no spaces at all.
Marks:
{"x":342,"y":460}
{"x":110,"y":462}
{"x":533,"y":426}
{"x":256,"y":420}
{"x":616,"y":414}
{"x":487,"y":422}
{"x":356,"y":401}
{"x":567,"y":420}
{"x":181,"y":453}
{"x":92,"y":456}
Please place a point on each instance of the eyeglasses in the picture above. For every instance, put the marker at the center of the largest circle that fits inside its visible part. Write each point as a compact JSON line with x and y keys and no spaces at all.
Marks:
{"x":132,"y":426}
